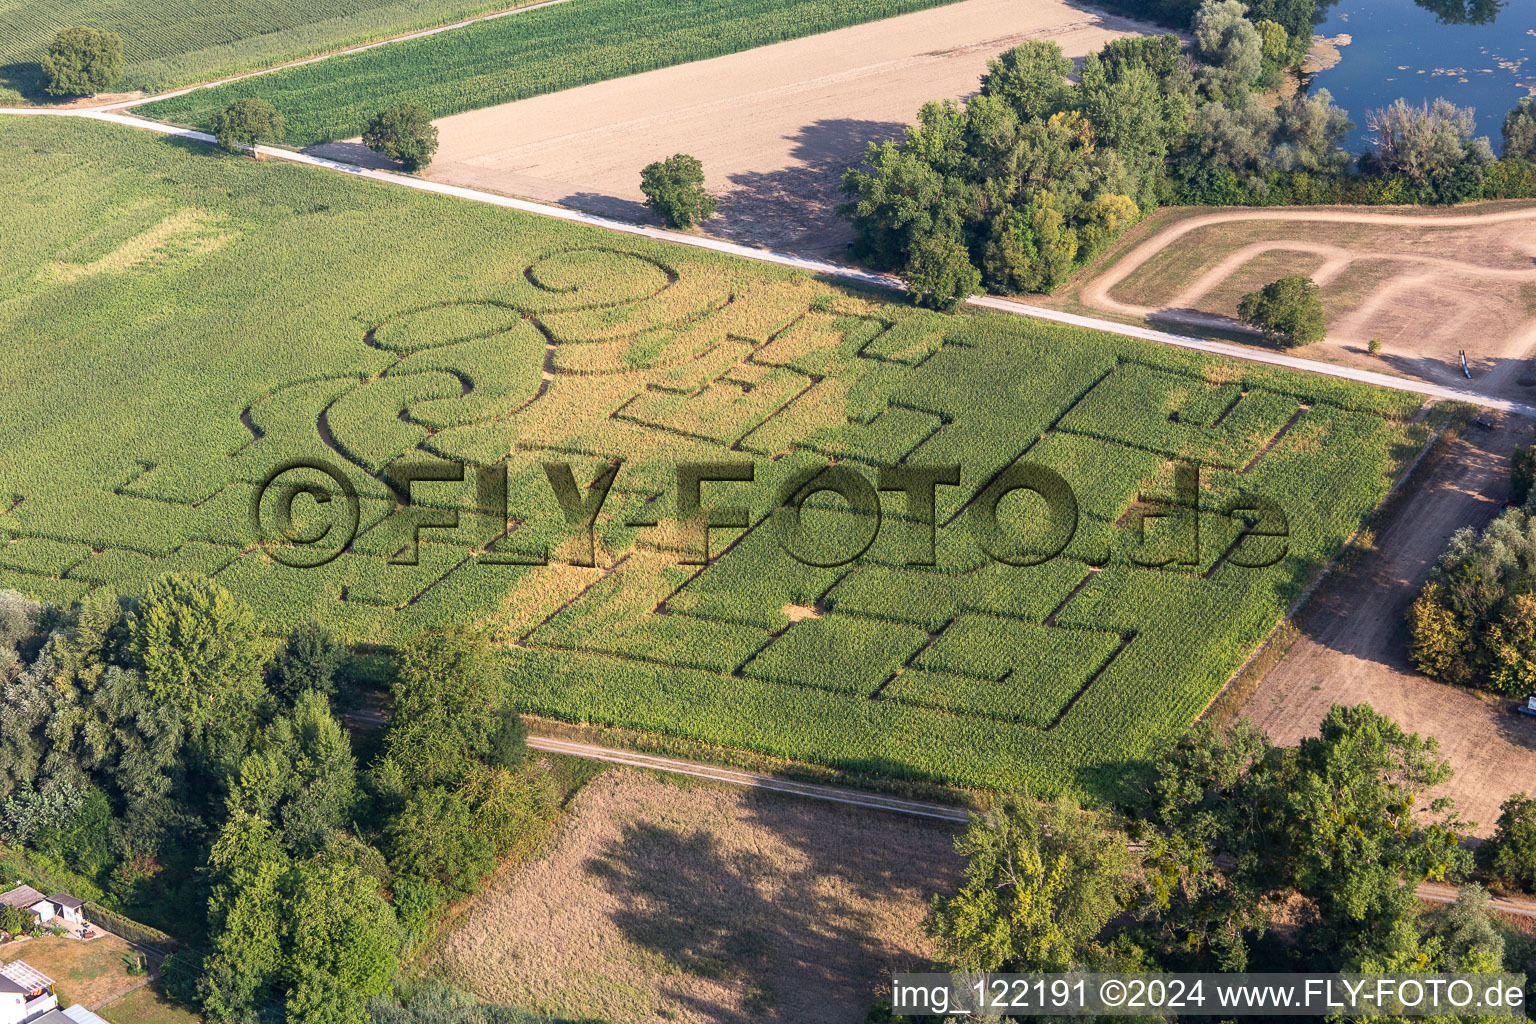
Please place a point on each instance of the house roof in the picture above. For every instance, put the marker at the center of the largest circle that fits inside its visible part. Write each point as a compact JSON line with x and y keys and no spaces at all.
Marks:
{"x":29,"y":978}
{"x":10,"y":988}
{"x":79,"y":1015}
{"x":55,"y":1017}
{"x":23,"y":896}
{"x":64,"y":899}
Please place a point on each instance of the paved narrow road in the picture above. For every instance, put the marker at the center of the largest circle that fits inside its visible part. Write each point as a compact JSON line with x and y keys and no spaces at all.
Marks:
{"x":810,"y":265}
{"x":1428,"y":892}
{"x":753,"y":780}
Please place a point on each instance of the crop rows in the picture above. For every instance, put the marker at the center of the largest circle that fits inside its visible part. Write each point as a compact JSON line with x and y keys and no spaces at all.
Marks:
{"x":508,"y":59}
{"x":339,"y":322}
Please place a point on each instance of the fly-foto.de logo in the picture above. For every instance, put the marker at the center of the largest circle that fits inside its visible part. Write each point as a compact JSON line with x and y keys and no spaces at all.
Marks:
{"x":306,"y":512}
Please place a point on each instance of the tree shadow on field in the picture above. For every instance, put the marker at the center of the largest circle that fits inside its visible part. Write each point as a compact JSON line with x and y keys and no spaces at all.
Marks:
{"x":771,"y":919}
{"x":611,"y":206}
{"x":795,"y":206}
{"x":26,"y":79}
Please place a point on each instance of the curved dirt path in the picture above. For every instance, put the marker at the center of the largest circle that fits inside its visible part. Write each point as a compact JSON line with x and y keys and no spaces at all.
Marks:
{"x":1097,"y":292}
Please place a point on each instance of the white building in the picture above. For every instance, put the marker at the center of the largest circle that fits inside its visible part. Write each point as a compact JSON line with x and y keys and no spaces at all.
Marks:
{"x":60,"y":908}
{"x":25,"y":993}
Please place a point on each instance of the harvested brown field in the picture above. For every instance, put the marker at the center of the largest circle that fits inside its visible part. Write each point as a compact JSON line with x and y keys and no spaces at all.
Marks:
{"x":676,"y":900}
{"x":1427,"y":284}
{"x":775,"y":127}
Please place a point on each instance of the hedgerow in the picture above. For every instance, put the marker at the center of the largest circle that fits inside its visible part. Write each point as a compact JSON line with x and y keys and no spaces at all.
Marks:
{"x":144,"y":398}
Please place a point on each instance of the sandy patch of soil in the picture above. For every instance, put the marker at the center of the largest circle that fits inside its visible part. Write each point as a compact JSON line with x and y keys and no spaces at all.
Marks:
{"x":662,"y":900}
{"x":775,"y":126}
{"x":1353,"y":646}
{"x":1427,"y":284}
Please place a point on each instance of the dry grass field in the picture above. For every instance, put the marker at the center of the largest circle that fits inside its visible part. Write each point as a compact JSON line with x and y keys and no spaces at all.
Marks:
{"x":95,"y":974}
{"x":683,"y":901}
{"x":775,"y":126}
{"x":1428,"y":285}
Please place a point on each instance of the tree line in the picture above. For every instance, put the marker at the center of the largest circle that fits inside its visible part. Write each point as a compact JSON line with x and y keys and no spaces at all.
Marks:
{"x":1030,"y":179}
{"x":1246,"y":857}
{"x":163,"y":750}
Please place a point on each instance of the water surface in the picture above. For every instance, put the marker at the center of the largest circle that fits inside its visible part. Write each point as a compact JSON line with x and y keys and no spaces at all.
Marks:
{"x":1477,"y":53}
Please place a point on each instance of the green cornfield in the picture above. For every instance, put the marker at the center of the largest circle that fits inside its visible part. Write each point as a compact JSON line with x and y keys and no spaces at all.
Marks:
{"x":508,"y":59}
{"x":180,"y":324}
{"x":170,"y":43}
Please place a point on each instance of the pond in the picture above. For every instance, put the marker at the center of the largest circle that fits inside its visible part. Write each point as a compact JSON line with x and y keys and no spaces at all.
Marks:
{"x":1477,"y":53}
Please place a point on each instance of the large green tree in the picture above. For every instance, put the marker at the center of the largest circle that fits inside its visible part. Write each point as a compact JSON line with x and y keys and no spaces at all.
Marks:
{"x":1041,"y":883}
{"x":1288,"y":311}
{"x":82,"y":61}
{"x":674,"y":190}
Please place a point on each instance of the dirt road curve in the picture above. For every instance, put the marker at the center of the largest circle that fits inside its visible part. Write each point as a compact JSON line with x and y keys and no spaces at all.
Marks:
{"x":1099,"y":290}
{"x":1353,"y":647}
{"x":1427,"y":285}
{"x":806,"y":263}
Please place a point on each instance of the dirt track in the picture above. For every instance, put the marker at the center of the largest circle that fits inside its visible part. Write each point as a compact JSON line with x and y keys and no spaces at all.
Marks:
{"x":1353,"y":647}
{"x":705,"y":904}
{"x":775,"y":126}
{"x":1429,"y":285}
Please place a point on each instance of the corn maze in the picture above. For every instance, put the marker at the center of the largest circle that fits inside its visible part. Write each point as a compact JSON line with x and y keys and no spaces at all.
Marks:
{"x":528,"y":345}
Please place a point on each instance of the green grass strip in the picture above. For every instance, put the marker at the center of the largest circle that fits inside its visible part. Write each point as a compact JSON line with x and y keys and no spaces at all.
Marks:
{"x":542,"y":51}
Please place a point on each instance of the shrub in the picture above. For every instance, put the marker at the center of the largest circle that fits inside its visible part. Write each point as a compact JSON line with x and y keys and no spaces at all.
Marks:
{"x":82,"y":61}
{"x":1288,"y":311}
{"x":1522,"y":473}
{"x":310,"y":659}
{"x":940,"y":273}
{"x":404,"y":133}
{"x":245,"y":123}
{"x":1374,"y":348}
{"x":1509,"y":858}
{"x":674,"y":190}
{"x":15,"y":921}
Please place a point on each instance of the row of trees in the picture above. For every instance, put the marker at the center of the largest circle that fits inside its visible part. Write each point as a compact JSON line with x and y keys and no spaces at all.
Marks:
{"x":1031,"y":178}
{"x":1474,"y":622}
{"x":1250,"y":857}
{"x":158,"y":744}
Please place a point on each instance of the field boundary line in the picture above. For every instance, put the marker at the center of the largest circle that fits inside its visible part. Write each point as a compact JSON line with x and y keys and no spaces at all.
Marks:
{"x":1327,"y":571}
{"x":815,"y":266}
{"x":1429,"y":892}
{"x":316,"y":58}
{"x":751,"y":780}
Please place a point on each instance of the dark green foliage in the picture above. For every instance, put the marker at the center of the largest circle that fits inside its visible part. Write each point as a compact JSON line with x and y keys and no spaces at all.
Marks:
{"x":940,"y":273}
{"x":449,"y":703}
{"x":311,"y":659}
{"x":299,"y":777}
{"x":674,"y":190}
{"x":1235,"y":828}
{"x":1288,"y":311}
{"x":434,"y":838}
{"x":1030,"y":78}
{"x":1474,"y":623}
{"x":404,"y":133}
{"x":246,"y":123}
{"x":1509,"y":857}
{"x":509,"y":743}
{"x":1522,"y":473}
{"x":15,"y":920}
{"x":82,"y":61}
{"x":1042,"y":882}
